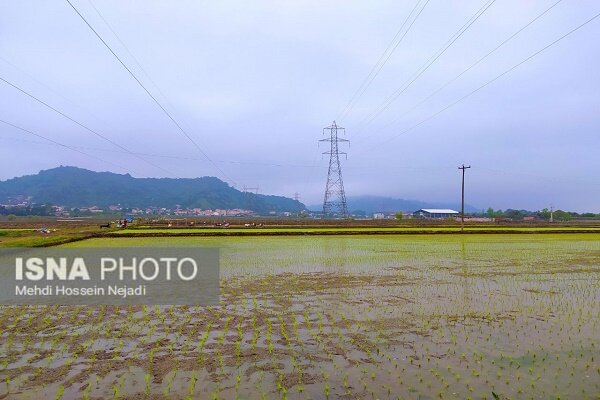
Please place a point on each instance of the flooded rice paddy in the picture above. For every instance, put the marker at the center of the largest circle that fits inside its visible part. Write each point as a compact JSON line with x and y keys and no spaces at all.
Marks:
{"x":339,"y":317}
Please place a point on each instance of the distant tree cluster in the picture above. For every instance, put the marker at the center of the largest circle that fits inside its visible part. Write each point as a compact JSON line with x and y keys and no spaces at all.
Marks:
{"x":361,"y":213}
{"x":39,"y":210}
{"x":544,"y":214}
{"x":76,"y":212}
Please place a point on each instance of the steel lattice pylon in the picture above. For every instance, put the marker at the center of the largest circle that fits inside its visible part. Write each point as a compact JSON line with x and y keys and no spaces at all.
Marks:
{"x":334,"y":204}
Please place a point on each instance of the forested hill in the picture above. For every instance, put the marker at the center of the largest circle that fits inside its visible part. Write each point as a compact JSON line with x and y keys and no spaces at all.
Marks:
{"x":77,"y":187}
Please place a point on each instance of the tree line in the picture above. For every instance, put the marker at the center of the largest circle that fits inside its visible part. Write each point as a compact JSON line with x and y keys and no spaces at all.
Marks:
{"x":544,"y":214}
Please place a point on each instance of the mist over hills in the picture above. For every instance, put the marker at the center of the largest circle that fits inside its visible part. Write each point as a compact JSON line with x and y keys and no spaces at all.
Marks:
{"x":78,"y":187}
{"x":371,"y":204}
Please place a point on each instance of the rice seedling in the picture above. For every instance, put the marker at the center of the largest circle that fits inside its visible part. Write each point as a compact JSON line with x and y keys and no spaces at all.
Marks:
{"x":148,"y":381}
{"x":60,"y":391}
{"x":409,"y":317}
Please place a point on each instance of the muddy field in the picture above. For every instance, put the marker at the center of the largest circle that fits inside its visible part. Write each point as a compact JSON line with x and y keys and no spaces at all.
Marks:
{"x":376,"y":317}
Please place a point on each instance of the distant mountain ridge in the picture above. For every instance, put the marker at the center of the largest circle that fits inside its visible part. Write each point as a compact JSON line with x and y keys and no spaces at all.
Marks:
{"x":78,"y":187}
{"x":371,"y":204}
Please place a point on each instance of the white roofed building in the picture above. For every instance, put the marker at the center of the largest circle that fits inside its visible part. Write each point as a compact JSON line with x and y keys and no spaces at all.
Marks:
{"x":436,"y":213}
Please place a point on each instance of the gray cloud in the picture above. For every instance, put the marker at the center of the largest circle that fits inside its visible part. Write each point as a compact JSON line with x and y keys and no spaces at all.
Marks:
{"x":255,"y":83}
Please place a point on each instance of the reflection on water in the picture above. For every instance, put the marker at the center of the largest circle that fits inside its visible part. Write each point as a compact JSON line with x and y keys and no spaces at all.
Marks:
{"x":401,"y":316}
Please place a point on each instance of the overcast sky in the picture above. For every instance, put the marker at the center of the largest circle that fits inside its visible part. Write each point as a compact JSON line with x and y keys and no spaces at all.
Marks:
{"x":254,"y":83}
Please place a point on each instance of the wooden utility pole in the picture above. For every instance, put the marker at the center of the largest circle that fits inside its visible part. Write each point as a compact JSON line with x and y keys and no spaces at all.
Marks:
{"x":462,"y":209}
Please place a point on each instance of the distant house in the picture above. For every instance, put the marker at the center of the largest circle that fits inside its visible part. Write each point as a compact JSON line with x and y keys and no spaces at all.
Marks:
{"x":435,"y":213}
{"x":378,"y":215}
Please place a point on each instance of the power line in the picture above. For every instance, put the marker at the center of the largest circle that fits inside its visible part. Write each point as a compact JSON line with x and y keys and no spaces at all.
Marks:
{"x":486,"y":84}
{"x":125,"y":47}
{"x":178,"y":157}
{"x":133,"y":57}
{"x":47,"y":87}
{"x":421,"y":170}
{"x":82,"y":125}
{"x":60,"y":144}
{"x":54,"y":91}
{"x":151,"y":96}
{"x":382,"y":61}
{"x":471,"y":66}
{"x":138,"y":63}
{"x":421,"y":70}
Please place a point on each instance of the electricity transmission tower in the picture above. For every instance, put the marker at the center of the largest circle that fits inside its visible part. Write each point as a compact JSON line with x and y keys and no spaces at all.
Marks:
{"x":248,"y":189}
{"x":334,"y":203}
